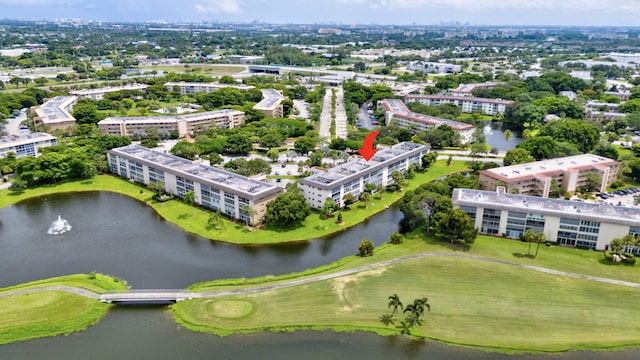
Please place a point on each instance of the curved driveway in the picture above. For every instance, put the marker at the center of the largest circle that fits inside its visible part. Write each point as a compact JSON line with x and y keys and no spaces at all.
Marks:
{"x":181,"y":294}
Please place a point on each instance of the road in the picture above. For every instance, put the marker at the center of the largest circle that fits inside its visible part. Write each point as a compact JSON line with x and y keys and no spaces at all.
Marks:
{"x":209,"y":294}
{"x":13,"y":125}
{"x":363,"y":118}
{"x":325,"y":117}
{"x":303,"y":109}
{"x":341,"y":114}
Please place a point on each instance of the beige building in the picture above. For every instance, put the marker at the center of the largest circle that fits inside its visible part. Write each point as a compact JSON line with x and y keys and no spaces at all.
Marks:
{"x":569,"y":223}
{"x":188,"y":88}
{"x":55,"y":113}
{"x":184,"y":125}
{"x":466,"y":104}
{"x":536,"y":178}
{"x":271,"y":104}
{"x":398,"y":114}
{"x":98,"y":94}
{"x":213,"y":188}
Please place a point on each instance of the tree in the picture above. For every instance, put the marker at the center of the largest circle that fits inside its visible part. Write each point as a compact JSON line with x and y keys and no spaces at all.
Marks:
{"x":86,"y":112}
{"x":157,"y":187}
{"x":18,"y":186}
{"x":329,"y":207}
{"x":395,"y":303}
{"x":366,"y":248}
{"x":508,"y":135}
{"x":364,"y":197}
{"x":249,"y":211}
{"x":348,"y":199}
{"x":397,"y":177}
{"x":289,"y":208}
{"x":189,"y":197}
{"x":215,"y":220}
{"x":41,"y":81}
{"x":540,"y":147}
{"x":273,"y":154}
{"x":577,"y":132}
{"x":456,"y":226}
{"x":429,"y":159}
{"x":449,"y":160}
{"x":517,"y":156}
{"x":396,"y":238}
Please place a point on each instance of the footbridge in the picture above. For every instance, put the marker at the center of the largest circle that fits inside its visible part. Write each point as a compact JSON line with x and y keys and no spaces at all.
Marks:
{"x":147,"y":297}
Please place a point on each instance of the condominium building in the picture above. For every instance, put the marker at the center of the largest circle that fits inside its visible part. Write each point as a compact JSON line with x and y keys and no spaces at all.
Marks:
{"x":398,"y":114}
{"x":97,"y":94}
{"x":352,"y":177}
{"x":466,"y":104}
{"x":434,"y":67}
{"x":54,"y":114}
{"x":569,"y":223}
{"x":213,"y":188}
{"x":622,"y":95}
{"x":188,"y":88}
{"x":595,"y":105}
{"x":467,"y":89}
{"x":271,"y":104}
{"x":25,"y":145}
{"x":182,"y":124}
{"x":536,"y":178}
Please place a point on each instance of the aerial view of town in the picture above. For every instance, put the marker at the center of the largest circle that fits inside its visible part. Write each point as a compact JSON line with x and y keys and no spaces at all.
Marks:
{"x":348,"y":179}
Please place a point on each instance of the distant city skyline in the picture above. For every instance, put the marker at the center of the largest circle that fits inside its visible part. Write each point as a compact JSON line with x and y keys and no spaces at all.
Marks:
{"x":385,"y":12}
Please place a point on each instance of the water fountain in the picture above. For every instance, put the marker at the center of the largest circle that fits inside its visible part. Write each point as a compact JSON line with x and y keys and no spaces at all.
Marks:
{"x":59,"y":226}
{"x":488,"y":130}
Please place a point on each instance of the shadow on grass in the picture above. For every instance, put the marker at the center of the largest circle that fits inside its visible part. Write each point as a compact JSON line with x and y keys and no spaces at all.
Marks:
{"x":521,"y":255}
{"x":280,"y":228}
{"x":184,"y":216}
{"x":87,"y":182}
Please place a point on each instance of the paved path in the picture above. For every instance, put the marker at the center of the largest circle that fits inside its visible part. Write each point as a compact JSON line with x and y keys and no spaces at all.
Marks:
{"x":325,"y":116}
{"x":179,"y":294}
{"x":341,"y":114}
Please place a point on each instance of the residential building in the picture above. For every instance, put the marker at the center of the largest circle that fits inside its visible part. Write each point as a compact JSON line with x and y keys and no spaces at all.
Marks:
{"x":188,"y":88}
{"x":595,"y":105}
{"x":25,"y":145}
{"x":571,"y":95}
{"x":97,"y":94}
{"x":434,"y":67}
{"x":352,"y":177}
{"x":184,"y":125}
{"x":213,"y":188}
{"x":467,"y":89}
{"x":55,"y":113}
{"x":622,"y":95}
{"x":569,"y":223}
{"x":271,"y":104}
{"x":604,"y":115}
{"x":536,"y":178}
{"x":398,"y":114}
{"x":466,"y":104}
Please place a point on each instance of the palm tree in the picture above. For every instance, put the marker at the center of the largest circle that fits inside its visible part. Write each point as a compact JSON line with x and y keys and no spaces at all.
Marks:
{"x":387,"y":319}
{"x":526,"y":134}
{"x":189,"y":197}
{"x":215,"y":219}
{"x":249,"y":211}
{"x":394,"y":301}
{"x":414,"y":313}
{"x":364,"y":197}
{"x":540,"y":238}
{"x":508,"y":135}
{"x":424,"y":302}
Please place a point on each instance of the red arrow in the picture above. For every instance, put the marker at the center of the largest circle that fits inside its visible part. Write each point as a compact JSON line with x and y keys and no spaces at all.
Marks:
{"x":367,"y":151}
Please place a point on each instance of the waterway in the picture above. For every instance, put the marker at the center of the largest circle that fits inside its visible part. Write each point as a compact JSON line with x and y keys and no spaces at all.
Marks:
{"x":119,"y":236}
{"x":494,"y":134}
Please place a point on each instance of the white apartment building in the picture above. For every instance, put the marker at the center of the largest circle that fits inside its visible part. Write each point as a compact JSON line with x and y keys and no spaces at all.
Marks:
{"x":54,"y":114}
{"x":466,"y":104}
{"x":352,"y":177}
{"x":271,"y":104}
{"x":535,"y":178}
{"x":184,"y":124}
{"x":25,"y":145}
{"x":569,"y":223}
{"x":188,"y":88}
{"x":467,"y":89}
{"x":398,"y":114}
{"x":98,"y":94}
{"x":213,"y":188}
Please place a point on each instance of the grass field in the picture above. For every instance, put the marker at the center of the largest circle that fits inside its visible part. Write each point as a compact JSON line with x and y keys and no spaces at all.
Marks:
{"x":50,"y":313}
{"x":195,"y":220}
{"x":474,"y":303}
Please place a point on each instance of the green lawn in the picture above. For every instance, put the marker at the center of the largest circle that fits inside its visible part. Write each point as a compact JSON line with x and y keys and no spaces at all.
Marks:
{"x":195,"y":221}
{"x":49,"y":313}
{"x":489,"y":305}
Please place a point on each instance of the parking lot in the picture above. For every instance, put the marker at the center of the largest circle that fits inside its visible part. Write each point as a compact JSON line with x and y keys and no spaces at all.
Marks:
{"x":619,"y":197}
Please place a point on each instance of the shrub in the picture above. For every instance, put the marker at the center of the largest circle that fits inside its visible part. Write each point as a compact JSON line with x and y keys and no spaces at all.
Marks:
{"x":366,"y":248}
{"x":396,"y":238}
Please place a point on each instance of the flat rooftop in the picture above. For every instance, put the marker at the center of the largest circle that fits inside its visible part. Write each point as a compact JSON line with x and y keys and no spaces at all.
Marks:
{"x":170,"y":118}
{"x":435,"y":121}
{"x":357,"y":167}
{"x":109,"y":89}
{"x":53,"y":110}
{"x":577,"y":162}
{"x":467,"y":88}
{"x":395,"y":105}
{"x":271,"y":99}
{"x":458,"y":98}
{"x":209,"y":84}
{"x":602,"y":212}
{"x":15,"y":140}
{"x":204,"y":174}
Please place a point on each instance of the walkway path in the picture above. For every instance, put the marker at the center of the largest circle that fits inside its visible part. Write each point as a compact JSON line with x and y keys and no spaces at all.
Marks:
{"x":341,"y":114}
{"x":177,"y":295}
{"x":325,"y":117}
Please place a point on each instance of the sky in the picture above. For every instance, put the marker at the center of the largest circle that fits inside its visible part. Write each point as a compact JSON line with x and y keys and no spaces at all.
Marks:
{"x":400,"y":12}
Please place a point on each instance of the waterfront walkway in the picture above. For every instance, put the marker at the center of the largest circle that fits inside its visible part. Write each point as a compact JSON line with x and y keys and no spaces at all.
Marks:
{"x":172,"y":296}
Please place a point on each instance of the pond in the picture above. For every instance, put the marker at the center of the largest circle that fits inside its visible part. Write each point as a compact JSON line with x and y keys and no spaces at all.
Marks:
{"x":494,"y":134}
{"x":119,"y":236}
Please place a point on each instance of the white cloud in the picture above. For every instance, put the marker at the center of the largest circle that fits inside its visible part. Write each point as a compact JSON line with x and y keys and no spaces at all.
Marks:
{"x":577,"y":5}
{"x":218,"y":7}
{"x":42,"y":2}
